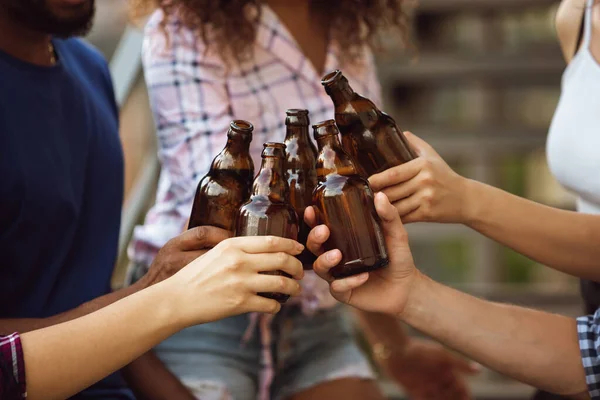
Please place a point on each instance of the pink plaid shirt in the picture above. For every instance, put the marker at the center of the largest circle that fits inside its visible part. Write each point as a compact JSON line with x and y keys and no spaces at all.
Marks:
{"x":194,"y":97}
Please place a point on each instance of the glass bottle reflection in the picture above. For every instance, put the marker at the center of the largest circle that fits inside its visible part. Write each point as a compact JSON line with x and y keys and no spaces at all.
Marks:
{"x":226,"y":186}
{"x":268,"y":212}
{"x":301,"y":173}
{"x":344,"y":202}
{"x":369,"y":135}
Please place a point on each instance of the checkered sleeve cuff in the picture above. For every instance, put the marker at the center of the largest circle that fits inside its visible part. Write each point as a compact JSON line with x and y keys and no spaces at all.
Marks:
{"x":588,"y":331}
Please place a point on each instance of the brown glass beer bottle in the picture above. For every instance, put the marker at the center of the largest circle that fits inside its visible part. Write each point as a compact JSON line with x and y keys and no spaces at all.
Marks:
{"x":268,"y":212}
{"x":226,"y":186}
{"x":301,"y":173}
{"x":369,"y":135}
{"x":344,"y":202}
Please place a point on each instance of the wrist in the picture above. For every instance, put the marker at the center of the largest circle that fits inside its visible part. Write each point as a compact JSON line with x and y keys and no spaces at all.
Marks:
{"x":147,"y":280}
{"x":166,"y":307}
{"x":418,"y":292}
{"x":471,"y":200}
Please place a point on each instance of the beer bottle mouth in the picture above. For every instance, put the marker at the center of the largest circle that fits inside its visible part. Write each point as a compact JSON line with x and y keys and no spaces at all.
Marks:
{"x":296,"y":112}
{"x":296,"y":117}
{"x":274,"y":149}
{"x":331,"y":78}
{"x":241,"y":126}
{"x":325,"y":128}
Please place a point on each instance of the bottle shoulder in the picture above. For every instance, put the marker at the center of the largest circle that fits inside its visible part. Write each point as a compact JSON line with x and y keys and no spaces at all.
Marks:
{"x":262,"y":207}
{"x":333,"y":183}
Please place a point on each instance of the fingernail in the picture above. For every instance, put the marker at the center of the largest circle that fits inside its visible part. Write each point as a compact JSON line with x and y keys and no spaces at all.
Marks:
{"x":321,"y":231}
{"x":476,"y":366}
{"x":331,"y":256}
{"x":299,"y":247}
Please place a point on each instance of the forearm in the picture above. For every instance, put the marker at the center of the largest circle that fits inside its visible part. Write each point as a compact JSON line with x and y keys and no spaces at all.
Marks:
{"x":150,"y":379}
{"x":382,"y":329}
{"x":534,"y":347}
{"x":111,"y":337}
{"x":564,"y":240}
{"x":22,"y":325}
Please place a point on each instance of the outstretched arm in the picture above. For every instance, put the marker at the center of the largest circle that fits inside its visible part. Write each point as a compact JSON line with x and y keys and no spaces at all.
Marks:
{"x":427,"y":189}
{"x":524,"y":344}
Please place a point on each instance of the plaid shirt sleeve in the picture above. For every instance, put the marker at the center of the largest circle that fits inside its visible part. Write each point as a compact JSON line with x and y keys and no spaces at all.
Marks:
{"x":588,"y":331}
{"x":12,"y":368}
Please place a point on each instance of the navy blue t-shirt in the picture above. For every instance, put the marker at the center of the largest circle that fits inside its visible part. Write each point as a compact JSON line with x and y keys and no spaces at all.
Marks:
{"x":61,"y":186}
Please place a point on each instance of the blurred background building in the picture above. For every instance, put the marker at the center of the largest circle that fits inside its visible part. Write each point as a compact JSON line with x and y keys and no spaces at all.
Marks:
{"x":480,"y":86}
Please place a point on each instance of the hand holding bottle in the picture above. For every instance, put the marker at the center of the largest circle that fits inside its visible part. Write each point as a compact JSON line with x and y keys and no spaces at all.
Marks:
{"x":385,"y":290}
{"x":225,"y":281}
{"x":425,"y":189}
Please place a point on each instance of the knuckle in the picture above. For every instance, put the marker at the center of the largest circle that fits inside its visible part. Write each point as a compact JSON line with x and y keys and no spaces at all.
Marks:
{"x":393,"y":174}
{"x":274,"y":307}
{"x":428,"y":196}
{"x":201,"y":233}
{"x":236,"y":262}
{"x":281,"y":283}
{"x":282,"y":257}
{"x":274,"y":241}
{"x":427,"y":177}
{"x":237,"y":300}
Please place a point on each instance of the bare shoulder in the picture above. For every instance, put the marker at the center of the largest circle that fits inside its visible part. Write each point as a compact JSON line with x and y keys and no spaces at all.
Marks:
{"x":569,"y":18}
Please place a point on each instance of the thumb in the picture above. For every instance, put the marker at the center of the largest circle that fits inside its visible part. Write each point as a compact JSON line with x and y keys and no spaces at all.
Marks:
{"x":393,"y":229}
{"x":419,"y":145}
{"x":201,"y":237}
{"x":396,"y":238}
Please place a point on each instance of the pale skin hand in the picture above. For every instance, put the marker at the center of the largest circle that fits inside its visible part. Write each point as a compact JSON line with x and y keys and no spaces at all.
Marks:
{"x":222,"y":283}
{"x":413,"y":361}
{"x":177,"y":253}
{"x":524,"y":344}
{"x":426,"y":189}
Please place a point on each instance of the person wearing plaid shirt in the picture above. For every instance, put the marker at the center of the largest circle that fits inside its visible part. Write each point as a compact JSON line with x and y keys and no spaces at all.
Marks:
{"x":198,"y":81}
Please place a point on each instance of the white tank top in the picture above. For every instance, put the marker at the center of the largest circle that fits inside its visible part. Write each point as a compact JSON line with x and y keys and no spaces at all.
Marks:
{"x":573,"y":146}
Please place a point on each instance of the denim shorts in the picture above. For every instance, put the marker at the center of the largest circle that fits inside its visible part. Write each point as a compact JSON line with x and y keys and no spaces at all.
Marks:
{"x":214,"y":363}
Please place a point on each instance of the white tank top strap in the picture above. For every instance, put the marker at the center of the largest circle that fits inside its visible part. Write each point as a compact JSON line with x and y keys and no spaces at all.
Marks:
{"x":587,"y":23}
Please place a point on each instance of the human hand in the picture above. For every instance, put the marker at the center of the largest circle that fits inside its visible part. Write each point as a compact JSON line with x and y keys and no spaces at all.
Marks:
{"x":225,"y":281}
{"x":425,"y":189}
{"x":182,"y":250}
{"x":386,"y":290}
{"x":428,"y":371}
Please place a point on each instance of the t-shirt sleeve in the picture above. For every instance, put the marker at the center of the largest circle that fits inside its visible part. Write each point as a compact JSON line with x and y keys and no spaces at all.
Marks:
{"x":12,"y":368}
{"x":588,"y":332}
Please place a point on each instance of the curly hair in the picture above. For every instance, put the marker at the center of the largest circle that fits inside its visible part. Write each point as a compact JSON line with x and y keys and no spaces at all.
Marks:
{"x":231,"y":25}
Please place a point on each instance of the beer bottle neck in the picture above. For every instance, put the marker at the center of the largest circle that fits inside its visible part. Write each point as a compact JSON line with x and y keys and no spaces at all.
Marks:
{"x":298,"y":133}
{"x":237,"y":146}
{"x":340,"y":92}
{"x":270,"y":181}
{"x":333,"y":159}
